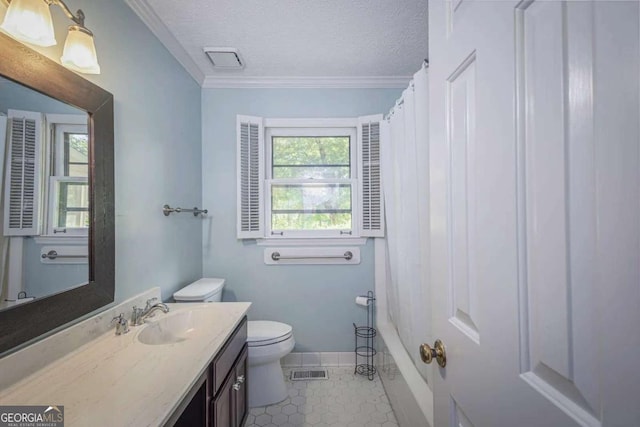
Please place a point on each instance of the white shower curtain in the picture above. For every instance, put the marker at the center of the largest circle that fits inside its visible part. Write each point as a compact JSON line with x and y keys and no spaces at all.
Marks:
{"x":405,"y":172}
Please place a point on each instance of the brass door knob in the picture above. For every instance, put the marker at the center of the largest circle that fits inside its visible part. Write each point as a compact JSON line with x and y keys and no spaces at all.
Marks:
{"x":427,"y":354}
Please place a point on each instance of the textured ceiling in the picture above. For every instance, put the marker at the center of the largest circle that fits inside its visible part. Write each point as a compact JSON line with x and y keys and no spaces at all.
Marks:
{"x":296,"y":38}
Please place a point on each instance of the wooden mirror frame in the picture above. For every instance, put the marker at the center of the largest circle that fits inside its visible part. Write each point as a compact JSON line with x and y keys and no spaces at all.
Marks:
{"x":25,"y":322}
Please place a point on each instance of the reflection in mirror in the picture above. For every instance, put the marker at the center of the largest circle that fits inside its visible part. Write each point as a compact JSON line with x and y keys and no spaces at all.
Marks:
{"x":23,"y":323}
{"x":44,"y":195}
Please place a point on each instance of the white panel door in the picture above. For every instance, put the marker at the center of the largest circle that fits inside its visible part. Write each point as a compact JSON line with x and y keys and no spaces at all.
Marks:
{"x":535,"y":212}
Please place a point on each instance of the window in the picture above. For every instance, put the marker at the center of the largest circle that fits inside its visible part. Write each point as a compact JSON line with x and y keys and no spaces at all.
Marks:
{"x":68,"y":172}
{"x":310,"y":181}
{"x":299,"y":178}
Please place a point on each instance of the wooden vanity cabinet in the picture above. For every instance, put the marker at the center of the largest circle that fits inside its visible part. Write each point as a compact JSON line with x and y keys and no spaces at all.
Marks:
{"x":241,"y":395}
{"x":230,"y":404}
{"x":219,"y":398}
{"x":222,"y":405}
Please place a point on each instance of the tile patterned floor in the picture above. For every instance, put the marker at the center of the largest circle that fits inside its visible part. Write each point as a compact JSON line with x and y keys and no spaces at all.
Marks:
{"x":344,"y":400}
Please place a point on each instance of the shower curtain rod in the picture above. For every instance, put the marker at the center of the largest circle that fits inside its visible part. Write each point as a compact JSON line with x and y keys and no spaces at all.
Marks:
{"x":400,"y":102}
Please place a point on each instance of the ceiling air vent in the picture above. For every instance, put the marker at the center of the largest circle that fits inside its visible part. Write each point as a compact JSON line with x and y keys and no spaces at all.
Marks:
{"x":227,"y":58}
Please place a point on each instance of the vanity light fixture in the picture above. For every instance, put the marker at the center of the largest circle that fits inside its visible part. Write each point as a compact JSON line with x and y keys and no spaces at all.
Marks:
{"x":30,"y":21}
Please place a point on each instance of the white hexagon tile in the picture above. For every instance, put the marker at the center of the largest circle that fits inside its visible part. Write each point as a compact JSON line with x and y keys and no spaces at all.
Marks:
{"x":344,"y":400}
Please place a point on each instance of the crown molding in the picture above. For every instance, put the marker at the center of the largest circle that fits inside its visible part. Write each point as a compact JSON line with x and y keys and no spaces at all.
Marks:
{"x":248,"y":82}
{"x":146,"y":13}
{"x":157,"y":27}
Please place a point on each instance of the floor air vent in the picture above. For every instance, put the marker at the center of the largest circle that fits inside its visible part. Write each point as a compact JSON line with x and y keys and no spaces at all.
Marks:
{"x":309,"y":374}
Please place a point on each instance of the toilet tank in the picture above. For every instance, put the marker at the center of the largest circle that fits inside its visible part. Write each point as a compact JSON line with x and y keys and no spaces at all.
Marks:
{"x":208,"y":289}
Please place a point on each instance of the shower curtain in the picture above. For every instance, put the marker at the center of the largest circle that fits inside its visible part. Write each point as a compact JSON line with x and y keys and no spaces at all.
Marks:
{"x":405,"y":174}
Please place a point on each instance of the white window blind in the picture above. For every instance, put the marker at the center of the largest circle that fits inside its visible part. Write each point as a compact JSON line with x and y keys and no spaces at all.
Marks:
{"x":372,"y":212}
{"x":250,"y":179}
{"x":23,"y":174}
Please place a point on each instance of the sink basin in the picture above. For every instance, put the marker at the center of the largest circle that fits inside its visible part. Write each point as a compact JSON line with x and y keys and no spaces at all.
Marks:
{"x":171,"y":328}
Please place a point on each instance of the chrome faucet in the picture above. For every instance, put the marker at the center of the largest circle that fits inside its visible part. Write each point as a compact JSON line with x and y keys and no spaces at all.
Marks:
{"x":139,"y":315}
{"x":151,"y":311}
{"x":122,"y":325}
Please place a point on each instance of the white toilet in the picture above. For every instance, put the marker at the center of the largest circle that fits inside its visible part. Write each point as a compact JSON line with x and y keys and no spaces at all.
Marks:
{"x":268,"y":343}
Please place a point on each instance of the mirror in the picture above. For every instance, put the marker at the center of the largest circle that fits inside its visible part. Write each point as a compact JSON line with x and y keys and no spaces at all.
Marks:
{"x":51,"y":256}
{"x":77,"y":196}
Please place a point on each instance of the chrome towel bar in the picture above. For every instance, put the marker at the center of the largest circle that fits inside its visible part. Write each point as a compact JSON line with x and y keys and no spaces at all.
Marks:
{"x":54,"y":255}
{"x":167,"y":210}
{"x":277,"y":257}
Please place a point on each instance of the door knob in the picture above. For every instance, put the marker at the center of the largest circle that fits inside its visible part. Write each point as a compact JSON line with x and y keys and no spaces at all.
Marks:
{"x":427,"y":354}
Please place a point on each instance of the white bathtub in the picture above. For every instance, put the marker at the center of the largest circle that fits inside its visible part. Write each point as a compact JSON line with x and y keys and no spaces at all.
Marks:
{"x":408,"y":392}
{"x":409,"y":395}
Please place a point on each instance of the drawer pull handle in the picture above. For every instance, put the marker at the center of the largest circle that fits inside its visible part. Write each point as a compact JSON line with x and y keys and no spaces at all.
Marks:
{"x":240,"y":379}
{"x":236,"y":386}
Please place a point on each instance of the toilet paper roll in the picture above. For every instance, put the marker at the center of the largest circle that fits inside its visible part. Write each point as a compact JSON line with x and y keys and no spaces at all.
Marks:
{"x":364,"y":301}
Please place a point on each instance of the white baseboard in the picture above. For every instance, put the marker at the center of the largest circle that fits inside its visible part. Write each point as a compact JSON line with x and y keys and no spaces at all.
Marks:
{"x":328,"y":359}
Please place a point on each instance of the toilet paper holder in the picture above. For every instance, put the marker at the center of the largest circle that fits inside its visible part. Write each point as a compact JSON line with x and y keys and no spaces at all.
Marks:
{"x":364,"y":337}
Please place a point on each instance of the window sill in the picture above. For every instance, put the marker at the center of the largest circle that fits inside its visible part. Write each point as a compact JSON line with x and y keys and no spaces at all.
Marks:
{"x":346,"y":241}
{"x":62,"y":240}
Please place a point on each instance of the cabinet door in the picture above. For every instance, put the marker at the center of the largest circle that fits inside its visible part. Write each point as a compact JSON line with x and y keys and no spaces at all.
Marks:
{"x":240,"y":389}
{"x":223,"y":412}
{"x":195,"y":412}
{"x":223,"y":364}
{"x":209,"y":399}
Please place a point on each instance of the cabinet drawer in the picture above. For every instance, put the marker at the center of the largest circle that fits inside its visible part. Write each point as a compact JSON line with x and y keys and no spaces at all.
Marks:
{"x":223,"y":363}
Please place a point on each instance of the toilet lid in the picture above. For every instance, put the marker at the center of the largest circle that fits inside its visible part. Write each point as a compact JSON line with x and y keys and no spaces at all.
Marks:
{"x":200,"y":290}
{"x":265,"y":332}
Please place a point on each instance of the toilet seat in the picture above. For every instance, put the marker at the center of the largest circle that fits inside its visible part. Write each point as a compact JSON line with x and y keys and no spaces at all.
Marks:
{"x":264,"y":332}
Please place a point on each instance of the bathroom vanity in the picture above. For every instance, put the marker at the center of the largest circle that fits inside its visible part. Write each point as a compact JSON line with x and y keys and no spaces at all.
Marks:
{"x":184,"y":368}
{"x":219,"y":397}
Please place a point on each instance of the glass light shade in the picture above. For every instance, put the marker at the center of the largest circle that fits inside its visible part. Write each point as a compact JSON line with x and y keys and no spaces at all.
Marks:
{"x":79,"y":52}
{"x":29,"y":21}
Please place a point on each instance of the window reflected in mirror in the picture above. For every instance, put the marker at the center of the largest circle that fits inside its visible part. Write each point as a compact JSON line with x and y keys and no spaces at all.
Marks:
{"x":68,"y":201}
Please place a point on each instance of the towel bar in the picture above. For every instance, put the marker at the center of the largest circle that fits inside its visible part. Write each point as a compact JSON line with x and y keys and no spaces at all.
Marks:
{"x":277,"y":257}
{"x":167,"y":210}
{"x":54,"y":255}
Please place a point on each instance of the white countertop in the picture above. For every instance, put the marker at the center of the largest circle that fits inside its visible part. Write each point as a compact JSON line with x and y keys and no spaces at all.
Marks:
{"x":118,"y":381}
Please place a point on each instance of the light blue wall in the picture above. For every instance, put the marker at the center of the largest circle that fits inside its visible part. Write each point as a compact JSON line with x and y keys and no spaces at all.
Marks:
{"x":41,"y":280}
{"x":16,"y":97}
{"x":318,"y":301}
{"x":161,"y":114}
{"x":157,"y":148}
